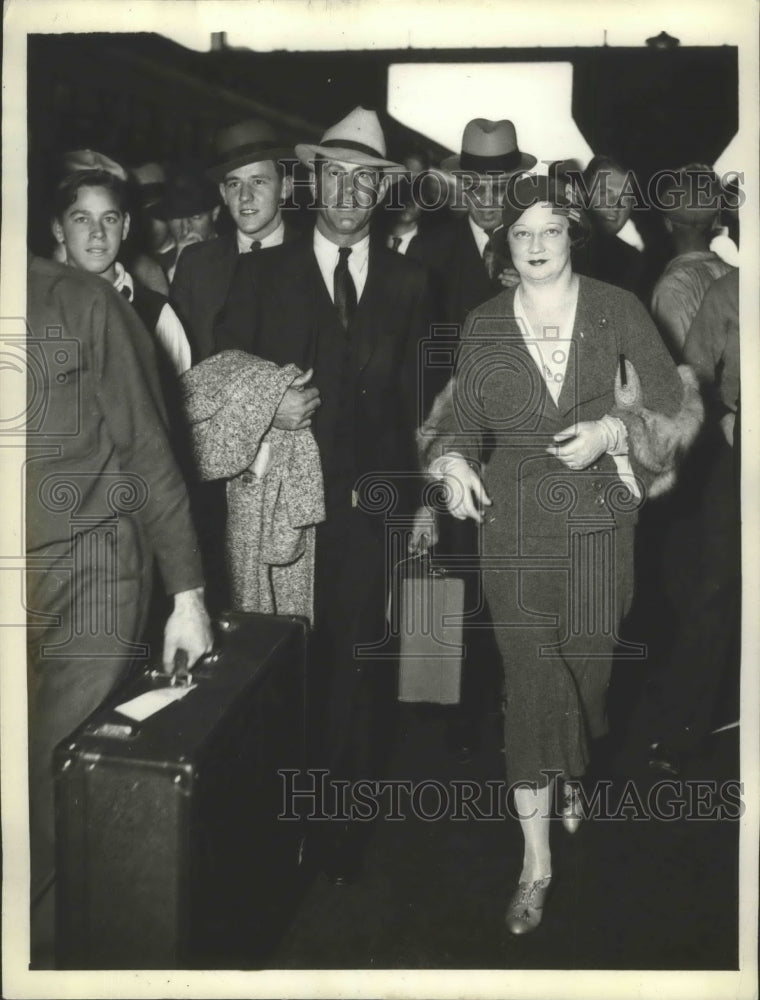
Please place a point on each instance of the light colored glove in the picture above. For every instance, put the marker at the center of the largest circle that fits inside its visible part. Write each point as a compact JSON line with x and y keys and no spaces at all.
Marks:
{"x":188,"y":627}
{"x":580,"y":445}
{"x":466,"y":495}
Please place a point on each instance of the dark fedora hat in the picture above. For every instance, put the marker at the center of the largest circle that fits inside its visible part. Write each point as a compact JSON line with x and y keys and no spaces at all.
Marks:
{"x":186,"y":193}
{"x":250,"y":141}
{"x":150,"y":179}
{"x":489,"y":147}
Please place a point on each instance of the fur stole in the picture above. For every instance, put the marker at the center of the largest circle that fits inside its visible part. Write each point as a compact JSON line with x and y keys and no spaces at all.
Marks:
{"x":657,"y":442}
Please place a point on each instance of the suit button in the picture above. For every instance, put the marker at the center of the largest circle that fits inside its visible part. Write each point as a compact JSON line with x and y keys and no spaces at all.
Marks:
{"x":364,"y":392}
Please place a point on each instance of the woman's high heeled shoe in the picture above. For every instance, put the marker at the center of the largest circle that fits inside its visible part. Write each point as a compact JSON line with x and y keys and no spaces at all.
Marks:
{"x":526,"y":907}
{"x":572,"y":813}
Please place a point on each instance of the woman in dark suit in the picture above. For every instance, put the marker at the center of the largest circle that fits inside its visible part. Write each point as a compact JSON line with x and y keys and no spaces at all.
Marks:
{"x":586,"y":413}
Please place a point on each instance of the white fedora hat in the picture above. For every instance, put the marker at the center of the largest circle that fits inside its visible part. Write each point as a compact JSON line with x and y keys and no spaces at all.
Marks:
{"x":358,"y":138}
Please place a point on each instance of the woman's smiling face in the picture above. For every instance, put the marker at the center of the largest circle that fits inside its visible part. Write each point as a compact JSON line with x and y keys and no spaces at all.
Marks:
{"x":539,"y":243}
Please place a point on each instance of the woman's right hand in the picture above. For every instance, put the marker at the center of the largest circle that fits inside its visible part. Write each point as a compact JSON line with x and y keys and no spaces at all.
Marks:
{"x":465,"y":493}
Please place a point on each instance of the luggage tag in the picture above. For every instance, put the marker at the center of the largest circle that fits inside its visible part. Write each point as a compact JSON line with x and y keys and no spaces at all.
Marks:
{"x":149,"y":703}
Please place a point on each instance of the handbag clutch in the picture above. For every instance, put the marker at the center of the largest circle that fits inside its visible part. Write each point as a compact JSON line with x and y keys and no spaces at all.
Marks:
{"x":430,"y":624}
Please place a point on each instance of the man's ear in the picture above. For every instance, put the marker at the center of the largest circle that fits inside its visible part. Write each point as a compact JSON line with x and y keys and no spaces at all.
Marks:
{"x":382,"y":188}
{"x":287,"y":188}
{"x":215,"y":212}
{"x":223,"y":192}
{"x":125,"y":226}
{"x":668,"y":223}
{"x":57,"y":230}
{"x":313,"y":183}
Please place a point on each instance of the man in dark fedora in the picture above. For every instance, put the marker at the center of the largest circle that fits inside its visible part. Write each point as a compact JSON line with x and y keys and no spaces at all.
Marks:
{"x":249,"y":171}
{"x":469,"y":273}
{"x":189,"y":207}
{"x":490,"y":155}
{"x":352,"y":312}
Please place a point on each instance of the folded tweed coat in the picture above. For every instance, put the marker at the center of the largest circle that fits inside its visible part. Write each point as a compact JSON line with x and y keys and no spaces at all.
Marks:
{"x":274,"y":479}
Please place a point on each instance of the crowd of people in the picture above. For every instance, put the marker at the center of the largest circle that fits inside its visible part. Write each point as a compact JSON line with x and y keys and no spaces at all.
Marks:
{"x":255,"y":370}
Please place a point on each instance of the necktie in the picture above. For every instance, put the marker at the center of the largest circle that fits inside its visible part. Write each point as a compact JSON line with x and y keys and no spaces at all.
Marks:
{"x":493,"y":258}
{"x":344,"y":290}
{"x":256,"y":245}
{"x":395,"y":243}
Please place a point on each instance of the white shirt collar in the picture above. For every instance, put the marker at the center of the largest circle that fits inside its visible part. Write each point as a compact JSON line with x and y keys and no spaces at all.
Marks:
{"x":326,"y":253}
{"x":406,"y":239}
{"x":274,"y":239}
{"x":629,"y":234}
{"x":122,"y":280}
{"x":481,"y":236}
{"x":324,"y":246}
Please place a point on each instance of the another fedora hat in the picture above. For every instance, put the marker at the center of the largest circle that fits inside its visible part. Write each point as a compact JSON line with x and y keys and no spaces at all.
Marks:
{"x":357,"y":138}
{"x":250,"y":141}
{"x":489,"y":148}
{"x":150,"y":179}
{"x":187,"y":193}
{"x":78,"y":160}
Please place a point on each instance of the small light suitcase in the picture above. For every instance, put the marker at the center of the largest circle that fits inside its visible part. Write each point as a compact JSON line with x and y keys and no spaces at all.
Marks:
{"x":431,"y":605}
{"x":170,"y":852}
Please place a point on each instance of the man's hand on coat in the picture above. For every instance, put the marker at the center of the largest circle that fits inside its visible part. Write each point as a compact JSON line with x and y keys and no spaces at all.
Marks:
{"x":509,"y":277}
{"x":298,"y":404}
{"x":188,"y":627}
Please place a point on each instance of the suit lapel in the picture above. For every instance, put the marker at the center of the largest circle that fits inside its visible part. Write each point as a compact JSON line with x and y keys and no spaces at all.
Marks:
{"x":224,"y":263}
{"x":372,"y":305}
{"x":588,"y":354}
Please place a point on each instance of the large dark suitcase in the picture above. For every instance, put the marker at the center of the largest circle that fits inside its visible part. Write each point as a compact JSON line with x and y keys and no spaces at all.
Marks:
{"x":170,"y":852}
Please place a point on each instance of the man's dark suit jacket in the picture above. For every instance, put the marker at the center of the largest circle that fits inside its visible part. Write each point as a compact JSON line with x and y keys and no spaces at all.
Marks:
{"x":199,"y":289}
{"x":279,"y":308}
{"x":460,"y":272}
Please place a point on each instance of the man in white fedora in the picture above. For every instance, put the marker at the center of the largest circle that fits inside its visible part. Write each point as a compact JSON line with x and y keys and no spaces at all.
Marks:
{"x":248,"y":167}
{"x":352,"y":313}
